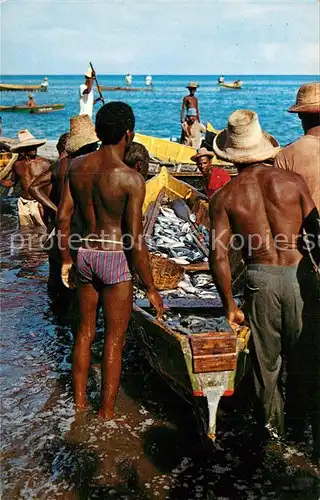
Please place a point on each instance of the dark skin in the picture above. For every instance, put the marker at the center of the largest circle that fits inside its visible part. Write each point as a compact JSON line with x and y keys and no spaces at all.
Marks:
{"x":190,"y":101}
{"x":31,"y":103}
{"x":310,"y":123}
{"x":205,"y":166}
{"x":109,"y":196}
{"x":267,"y":206}
{"x":89,"y":83}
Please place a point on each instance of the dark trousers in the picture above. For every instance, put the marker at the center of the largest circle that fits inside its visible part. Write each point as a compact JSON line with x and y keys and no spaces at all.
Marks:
{"x":284,"y":313}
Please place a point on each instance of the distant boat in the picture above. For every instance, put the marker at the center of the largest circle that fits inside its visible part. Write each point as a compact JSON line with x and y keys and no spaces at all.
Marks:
{"x":237,"y":85}
{"x":125,"y":89}
{"x":45,"y":108}
{"x":12,"y":87}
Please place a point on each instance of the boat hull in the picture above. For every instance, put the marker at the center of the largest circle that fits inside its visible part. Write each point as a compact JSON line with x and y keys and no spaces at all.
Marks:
{"x":232,"y":86}
{"x":46,"y":108}
{"x":204,"y":367}
{"x":7,"y":87}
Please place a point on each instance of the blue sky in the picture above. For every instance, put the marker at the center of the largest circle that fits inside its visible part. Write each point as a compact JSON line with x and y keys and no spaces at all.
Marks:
{"x":160,"y":37}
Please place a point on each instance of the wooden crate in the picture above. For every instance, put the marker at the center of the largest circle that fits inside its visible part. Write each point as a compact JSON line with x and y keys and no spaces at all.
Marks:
{"x":213,"y":351}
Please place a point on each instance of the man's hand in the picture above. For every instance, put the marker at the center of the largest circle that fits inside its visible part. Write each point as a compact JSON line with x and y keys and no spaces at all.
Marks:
{"x":66,"y":275}
{"x":156,"y":300}
{"x":236,"y":316}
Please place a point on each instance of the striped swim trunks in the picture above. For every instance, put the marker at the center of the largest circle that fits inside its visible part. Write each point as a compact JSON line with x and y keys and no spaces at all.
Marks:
{"x":108,"y":267}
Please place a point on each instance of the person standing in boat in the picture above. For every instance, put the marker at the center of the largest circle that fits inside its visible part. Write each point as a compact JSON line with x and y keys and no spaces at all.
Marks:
{"x":27,"y":168}
{"x":45,"y":84}
{"x":86,"y":94}
{"x":213,"y":177}
{"x":190,"y":101}
{"x":128,"y":79}
{"x":149,"y":81}
{"x":191,"y":130}
{"x":109,"y":197}
{"x":31,"y":102}
{"x":266,"y":208}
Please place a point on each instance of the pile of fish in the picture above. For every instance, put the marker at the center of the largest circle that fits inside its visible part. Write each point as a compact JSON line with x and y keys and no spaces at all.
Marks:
{"x":172,"y":237}
{"x":194,"y":324}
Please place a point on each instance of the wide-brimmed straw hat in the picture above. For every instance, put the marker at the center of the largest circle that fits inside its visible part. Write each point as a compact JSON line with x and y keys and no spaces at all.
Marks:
{"x":201,"y":152}
{"x":81,"y":133}
{"x":192,"y":85}
{"x":27,"y":140}
{"x":243,"y":141}
{"x":308,"y":99}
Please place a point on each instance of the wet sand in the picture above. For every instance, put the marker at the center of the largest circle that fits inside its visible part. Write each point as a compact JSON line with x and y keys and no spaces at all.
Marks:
{"x":151,"y":451}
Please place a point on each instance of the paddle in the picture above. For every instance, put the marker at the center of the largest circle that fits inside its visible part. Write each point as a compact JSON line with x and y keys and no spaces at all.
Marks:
{"x":97,"y":84}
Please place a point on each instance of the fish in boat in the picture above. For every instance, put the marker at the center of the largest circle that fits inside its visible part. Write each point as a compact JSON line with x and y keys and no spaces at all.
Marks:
{"x":125,"y":89}
{"x":200,"y":356}
{"x":36,"y":110}
{"x":237,"y":85}
{"x":13,"y":87}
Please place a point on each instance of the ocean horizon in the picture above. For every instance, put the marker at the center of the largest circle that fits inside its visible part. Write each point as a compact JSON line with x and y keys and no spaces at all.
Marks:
{"x":158,"y":112}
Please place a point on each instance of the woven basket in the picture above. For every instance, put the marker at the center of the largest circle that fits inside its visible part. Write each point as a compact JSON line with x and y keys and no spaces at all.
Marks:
{"x":166,"y":273}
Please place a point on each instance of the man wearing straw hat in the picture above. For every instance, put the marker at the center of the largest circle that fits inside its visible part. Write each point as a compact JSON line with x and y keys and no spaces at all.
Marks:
{"x":109,"y":196}
{"x":213,"y":177}
{"x":190,"y":101}
{"x":265,"y":208}
{"x":28,"y":167}
{"x":303,"y":155}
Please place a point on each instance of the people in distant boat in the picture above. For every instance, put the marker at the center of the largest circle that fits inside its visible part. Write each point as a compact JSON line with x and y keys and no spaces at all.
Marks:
{"x":221,"y":79}
{"x":86,"y":94}
{"x":190,"y":101}
{"x":192,"y":129}
{"x":137,"y":157}
{"x":128,"y":79}
{"x":27,"y":168}
{"x":109,"y":196}
{"x":213,"y":177}
{"x":45,"y":83}
{"x":303,"y":155}
{"x":148,"y":80}
{"x":268,"y":208}
{"x":31,"y":101}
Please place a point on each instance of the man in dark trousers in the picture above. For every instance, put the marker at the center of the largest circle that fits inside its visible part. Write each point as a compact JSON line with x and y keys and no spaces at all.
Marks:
{"x":267,"y":209}
{"x":108,"y":196}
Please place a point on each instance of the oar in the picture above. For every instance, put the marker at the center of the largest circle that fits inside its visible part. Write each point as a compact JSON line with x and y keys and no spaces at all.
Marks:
{"x":97,"y":84}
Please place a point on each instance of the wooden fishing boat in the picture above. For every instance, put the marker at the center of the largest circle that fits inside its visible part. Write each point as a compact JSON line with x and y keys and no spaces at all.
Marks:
{"x":232,"y":86}
{"x":7,"y":160}
{"x":37,"y":110}
{"x":201,"y":367}
{"x":125,"y":89}
{"x":13,"y":87}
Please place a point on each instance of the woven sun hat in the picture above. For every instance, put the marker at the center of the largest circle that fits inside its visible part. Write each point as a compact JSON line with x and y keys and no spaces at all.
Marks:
{"x":82,"y":133}
{"x":27,"y":140}
{"x":192,"y":85}
{"x":308,"y":99}
{"x":201,"y":152}
{"x":192,"y":112}
{"x":243,"y":141}
{"x":88,"y":73}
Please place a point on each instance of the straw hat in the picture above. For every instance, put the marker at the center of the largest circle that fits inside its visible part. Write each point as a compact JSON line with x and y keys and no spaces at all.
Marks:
{"x":308,"y":99}
{"x":27,"y":140}
{"x":201,"y":152}
{"x":82,"y":133}
{"x":243,"y":141}
{"x":192,"y":85}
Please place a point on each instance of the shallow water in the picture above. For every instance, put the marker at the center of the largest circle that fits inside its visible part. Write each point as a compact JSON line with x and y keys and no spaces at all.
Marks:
{"x":158,"y":112}
{"x":151,"y":451}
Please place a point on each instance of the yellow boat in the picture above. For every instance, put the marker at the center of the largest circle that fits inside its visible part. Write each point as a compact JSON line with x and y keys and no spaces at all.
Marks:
{"x":234,"y":85}
{"x":195,"y":366}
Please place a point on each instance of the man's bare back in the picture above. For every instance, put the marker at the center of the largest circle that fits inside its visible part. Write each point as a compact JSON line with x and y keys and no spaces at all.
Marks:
{"x":27,"y":170}
{"x":267,"y":208}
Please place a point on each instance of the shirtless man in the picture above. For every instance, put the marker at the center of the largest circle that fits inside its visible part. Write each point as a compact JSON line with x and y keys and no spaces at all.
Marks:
{"x":190,"y":101}
{"x":109,"y":196}
{"x":267,"y":208}
{"x":25,"y":170}
{"x":31,"y":102}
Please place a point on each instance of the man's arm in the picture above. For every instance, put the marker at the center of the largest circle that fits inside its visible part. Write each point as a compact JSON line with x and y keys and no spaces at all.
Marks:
{"x":197,"y":108}
{"x":182,"y":110}
{"x":139,"y":252}
{"x":220,"y":235}
{"x":39,"y":188}
{"x":64,"y":216}
{"x":89,"y":85}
